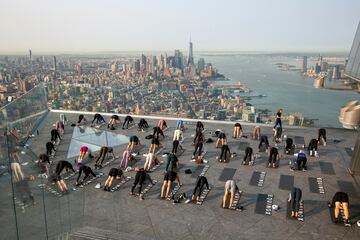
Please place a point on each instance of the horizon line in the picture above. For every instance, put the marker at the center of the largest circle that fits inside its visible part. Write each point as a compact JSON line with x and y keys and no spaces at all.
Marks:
{"x":104,"y":51}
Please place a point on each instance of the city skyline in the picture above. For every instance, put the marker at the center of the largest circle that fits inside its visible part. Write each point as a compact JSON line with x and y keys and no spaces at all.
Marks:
{"x":88,"y":26}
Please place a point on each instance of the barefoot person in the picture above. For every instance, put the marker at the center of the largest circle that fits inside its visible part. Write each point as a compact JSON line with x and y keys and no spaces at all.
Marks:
{"x":294,"y":200}
{"x":151,"y":159}
{"x":133,"y":141}
{"x":172,"y":167}
{"x":104,"y":150}
{"x":57,"y":179}
{"x":237,"y":130}
{"x":221,"y":139}
{"x":257,"y":133}
{"x":230,"y":188}
{"x":155,"y":144}
{"x":83,"y":151}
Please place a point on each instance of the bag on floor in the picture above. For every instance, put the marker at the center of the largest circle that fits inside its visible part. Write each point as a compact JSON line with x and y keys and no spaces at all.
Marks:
{"x":149,"y":137}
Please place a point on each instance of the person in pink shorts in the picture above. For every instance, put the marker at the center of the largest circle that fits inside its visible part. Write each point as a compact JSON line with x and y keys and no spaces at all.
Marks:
{"x":83,"y":150}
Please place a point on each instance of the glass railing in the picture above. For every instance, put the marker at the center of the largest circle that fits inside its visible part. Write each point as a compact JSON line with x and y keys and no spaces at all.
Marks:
{"x":26,"y":211}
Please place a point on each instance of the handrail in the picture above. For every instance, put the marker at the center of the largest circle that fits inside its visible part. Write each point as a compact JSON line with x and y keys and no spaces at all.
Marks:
{"x":174,"y":119}
{"x":22,"y":96}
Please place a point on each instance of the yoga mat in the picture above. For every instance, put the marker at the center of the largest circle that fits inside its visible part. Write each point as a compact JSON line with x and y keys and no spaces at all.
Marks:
{"x":286,"y":182}
{"x":327,"y":168}
{"x":314,"y":186}
{"x":261,"y":202}
{"x":288,"y":210}
{"x":227,"y":174}
{"x":299,"y":140}
{"x":348,"y":187}
{"x":197,"y":171}
{"x":254,"y":180}
{"x":332,"y":216}
{"x":243,"y":146}
{"x":256,"y":177}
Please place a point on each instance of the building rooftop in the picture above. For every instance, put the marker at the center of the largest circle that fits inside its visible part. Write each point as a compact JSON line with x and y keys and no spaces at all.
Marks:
{"x":90,"y":213}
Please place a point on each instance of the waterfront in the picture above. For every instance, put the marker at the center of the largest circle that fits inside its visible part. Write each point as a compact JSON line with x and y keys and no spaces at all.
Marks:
{"x":284,"y":89}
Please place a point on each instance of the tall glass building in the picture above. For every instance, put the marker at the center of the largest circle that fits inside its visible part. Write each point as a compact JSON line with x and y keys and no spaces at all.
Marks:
{"x":352,"y":69}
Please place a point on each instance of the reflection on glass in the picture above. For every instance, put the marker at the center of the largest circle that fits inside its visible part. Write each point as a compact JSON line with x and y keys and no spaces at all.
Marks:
{"x":94,"y":139}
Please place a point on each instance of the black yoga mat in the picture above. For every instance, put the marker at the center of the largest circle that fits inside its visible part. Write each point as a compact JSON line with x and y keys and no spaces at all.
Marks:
{"x":260,"y":207}
{"x":314,"y":186}
{"x":348,"y":187}
{"x":327,"y":168}
{"x":243,"y":146}
{"x":286,"y":182}
{"x":197,"y":171}
{"x":299,"y":140}
{"x":254,"y":180}
{"x":227,"y":174}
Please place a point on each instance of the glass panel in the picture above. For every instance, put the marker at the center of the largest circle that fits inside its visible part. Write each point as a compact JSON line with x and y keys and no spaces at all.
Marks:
{"x":114,"y":139}
{"x":82,"y":131}
{"x":75,"y":147}
{"x":94,"y":139}
{"x":7,"y":207}
{"x":28,"y":210}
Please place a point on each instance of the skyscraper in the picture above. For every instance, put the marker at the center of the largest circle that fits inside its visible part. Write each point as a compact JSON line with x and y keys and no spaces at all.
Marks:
{"x":178,"y":59}
{"x":352,"y":68}
{"x":54,"y":64}
{"x":304,"y":64}
{"x":137,"y":65}
{"x":143,"y":59}
{"x":30,"y":56}
{"x":153,"y":64}
{"x":191,"y":57}
{"x":201,"y":64}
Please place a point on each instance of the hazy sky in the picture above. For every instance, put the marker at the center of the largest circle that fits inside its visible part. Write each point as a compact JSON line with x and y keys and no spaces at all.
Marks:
{"x":116,"y":25}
